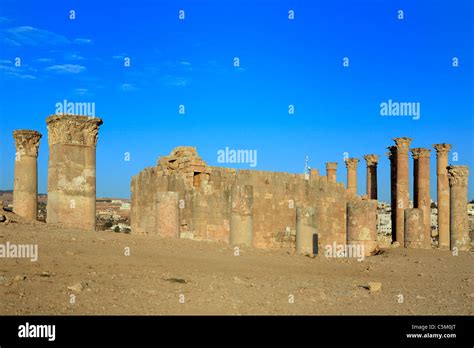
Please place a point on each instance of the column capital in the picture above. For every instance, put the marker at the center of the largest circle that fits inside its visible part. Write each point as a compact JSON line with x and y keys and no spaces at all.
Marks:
{"x":392,"y":152}
{"x":27,"y":142}
{"x":351,"y":163}
{"x":420,"y":152}
{"x":458,"y":175}
{"x":331,"y":165}
{"x":402,"y":144}
{"x":442,"y":149}
{"x":371,"y":160}
{"x":73,"y":130}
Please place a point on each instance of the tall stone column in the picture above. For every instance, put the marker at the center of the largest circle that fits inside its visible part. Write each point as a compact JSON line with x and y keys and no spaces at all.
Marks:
{"x":304,"y":229}
{"x":25,"y":188}
{"x":392,"y":156}
{"x":331,"y":168}
{"x":442,"y":151}
{"x":71,"y":170}
{"x":241,"y":215}
{"x":421,"y":188}
{"x":351,"y":165}
{"x":459,"y":227}
{"x":371,"y":161}
{"x":403,"y":186}
{"x":414,"y":228}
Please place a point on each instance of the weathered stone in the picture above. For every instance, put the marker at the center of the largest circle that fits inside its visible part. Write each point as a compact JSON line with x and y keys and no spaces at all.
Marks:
{"x":414,"y":229}
{"x":304,"y":229}
{"x":421,"y":189}
{"x":72,"y":170}
{"x":167,"y":214}
{"x":351,"y":165}
{"x":402,"y":186}
{"x":371,"y":183}
{"x":241,"y":218}
{"x":25,"y":189}
{"x":361,"y":225}
{"x":459,"y":227}
{"x":442,"y":151}
{"x":331,"y":168}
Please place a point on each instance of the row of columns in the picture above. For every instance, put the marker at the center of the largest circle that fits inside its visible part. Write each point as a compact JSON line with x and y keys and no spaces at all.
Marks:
{"x":72,"y":144}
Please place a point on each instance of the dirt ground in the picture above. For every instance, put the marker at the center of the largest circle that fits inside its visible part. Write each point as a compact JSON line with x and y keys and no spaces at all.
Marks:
{"x":167,"y":276}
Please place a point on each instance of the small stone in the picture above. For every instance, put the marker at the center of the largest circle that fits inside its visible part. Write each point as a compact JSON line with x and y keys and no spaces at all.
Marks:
{"x":395,"y":245}
{"x":19,"y":278}
{"x":78,"y":287}
{"x":375,"y":286}
{"x":3,"y":218}
{"x":237,"y":280}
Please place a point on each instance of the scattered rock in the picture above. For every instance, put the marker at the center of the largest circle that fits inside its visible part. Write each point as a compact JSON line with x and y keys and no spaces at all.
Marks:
{"x":19,"y":278}
{"x":395,"y":245}
{"x":78,"y":287}
{"x":69,"y":253}
{"x":45,"y":274}
{"x":175,"y":280}
{"x":3,"y":218}
{"x":237,"y":280}
{"x":374,"y":286}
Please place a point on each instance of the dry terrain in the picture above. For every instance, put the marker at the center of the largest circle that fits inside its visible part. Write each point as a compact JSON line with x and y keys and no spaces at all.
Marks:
{"x":93,"y":267}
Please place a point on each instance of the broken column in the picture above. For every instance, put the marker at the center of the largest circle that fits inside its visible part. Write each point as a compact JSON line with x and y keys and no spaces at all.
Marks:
{"x":304,"y":229}
{"x":403,"y":188}
{"x":414,"y":228}
{"x":25,"y":188}
{"x":331,"y":168}
{"x":442,"y":151}
{"x":241,"y":215}
{"x":459,"y":228}
{"x":167,"y":214}
{"x":71,"y":170}
{"x":351,"y":165}
{"x":362,"y":224}
{"x":371,"y":183}
{"x":392,"y":156}
{"x":421,"y":188}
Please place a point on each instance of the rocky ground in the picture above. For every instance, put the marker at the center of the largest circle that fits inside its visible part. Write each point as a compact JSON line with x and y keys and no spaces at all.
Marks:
{"x":81,"y":272}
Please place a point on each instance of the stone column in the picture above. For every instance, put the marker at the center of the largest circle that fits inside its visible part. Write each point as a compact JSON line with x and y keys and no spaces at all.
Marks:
{"x":241,"y":215}
{"x":414,"y":228}
{"x":403,"y":186}
{"x":392,"y":156}
{"x":371,"y":184}
{"x":442,"y":151}
{"x":25,"y":188}
{"x":167,"y":214}
{"x":71,"y":170}
{"x":304,"y":229}
{"x":331,"y":168}
{"x":459,"y":227}
{"x":362,"y":224}
{"x":421,"y":189}
{"x":351,"y":165}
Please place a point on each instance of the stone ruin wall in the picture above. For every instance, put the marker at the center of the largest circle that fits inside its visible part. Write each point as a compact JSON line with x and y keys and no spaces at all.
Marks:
{"x":183,"y":197}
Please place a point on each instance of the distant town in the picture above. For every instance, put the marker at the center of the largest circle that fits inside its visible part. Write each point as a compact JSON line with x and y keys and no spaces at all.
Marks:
{"x":112,"y":214}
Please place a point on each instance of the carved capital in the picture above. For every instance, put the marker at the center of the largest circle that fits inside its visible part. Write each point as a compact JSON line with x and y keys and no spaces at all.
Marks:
{"x":331,"y":165}
{"x":403,"y":144}
{"x":351,"y":163}
{"x":392,"y":152}
{"x":442,"y":149}
{"x":458,"y":175}
{"x":371,"y":160}
{"x":73,"y":130}
{"x":420,"y":152}
{"x":26,"y":142}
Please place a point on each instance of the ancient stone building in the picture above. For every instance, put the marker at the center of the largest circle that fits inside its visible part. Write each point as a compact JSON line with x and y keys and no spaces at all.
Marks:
{"x":71,"y":170}
{"x":25,"y":188}
{"x":250,"y":207}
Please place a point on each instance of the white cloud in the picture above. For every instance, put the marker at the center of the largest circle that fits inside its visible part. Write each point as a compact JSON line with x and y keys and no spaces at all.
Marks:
{"x":67,"y":69}
{"x":82,"y":41}
{"x":30,"y":36}
{"x":127,"y":87}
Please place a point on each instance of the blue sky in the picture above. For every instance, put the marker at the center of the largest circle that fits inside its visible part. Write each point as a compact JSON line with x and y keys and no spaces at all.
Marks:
{"x":283,"y":62}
